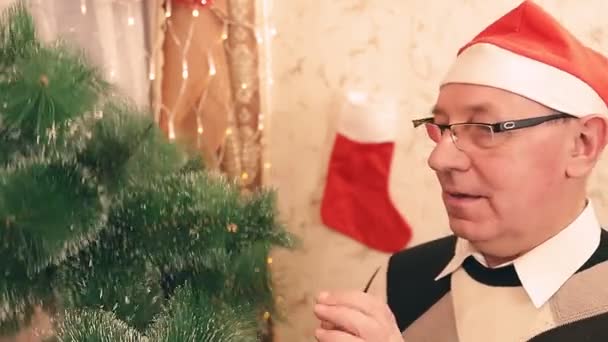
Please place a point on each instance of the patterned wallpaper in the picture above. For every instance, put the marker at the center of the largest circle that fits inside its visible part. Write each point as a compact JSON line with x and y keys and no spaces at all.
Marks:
{"x":396,"y":51}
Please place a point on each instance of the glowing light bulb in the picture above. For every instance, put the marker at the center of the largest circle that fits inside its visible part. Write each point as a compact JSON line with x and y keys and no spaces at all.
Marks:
{"x":171,"y":130}
{"x":225,"y":33}
{"x":212,"y":70}
{"x":185,"y":70}
{"x":195,"y":12}
{"x":169,"y":10}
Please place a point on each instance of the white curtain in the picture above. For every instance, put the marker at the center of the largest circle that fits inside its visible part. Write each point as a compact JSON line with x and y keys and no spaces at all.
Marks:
{"x":111,"y":32}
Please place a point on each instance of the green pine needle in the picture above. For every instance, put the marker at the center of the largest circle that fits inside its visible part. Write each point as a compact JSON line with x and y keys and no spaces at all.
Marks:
{"x":48,"y":210}
{"x":19,"y":298}
{"x":83,"y":325}
{"x":47,"y":89}
{"x":178,"y":221}
{"x":125,"y":145}
{"x":105,"y":276}
{"x":17,"y":34}
{"x":194,"y":317}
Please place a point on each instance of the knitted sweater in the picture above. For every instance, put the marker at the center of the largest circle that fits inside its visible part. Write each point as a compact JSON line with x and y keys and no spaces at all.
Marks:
{"x":476,"y":303}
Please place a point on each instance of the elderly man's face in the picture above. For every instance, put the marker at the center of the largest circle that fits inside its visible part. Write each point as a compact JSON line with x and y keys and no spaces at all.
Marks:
{"x":496,"y":197}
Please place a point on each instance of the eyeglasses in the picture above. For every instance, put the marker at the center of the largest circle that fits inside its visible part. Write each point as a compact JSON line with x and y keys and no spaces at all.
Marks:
{"x":478,"y":135}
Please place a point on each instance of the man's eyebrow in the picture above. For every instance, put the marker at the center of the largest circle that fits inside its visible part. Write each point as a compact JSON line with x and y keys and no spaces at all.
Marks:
{"x":436,"y":110}
{"x":475,"y":109}
{"x":479,"y":108}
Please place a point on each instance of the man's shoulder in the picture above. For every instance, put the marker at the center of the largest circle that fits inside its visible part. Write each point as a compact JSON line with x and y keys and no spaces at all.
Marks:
{"x":429,"y":255}
{"x":410,"y":283}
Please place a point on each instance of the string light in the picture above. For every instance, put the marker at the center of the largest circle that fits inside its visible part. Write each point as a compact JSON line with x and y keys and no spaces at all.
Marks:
{"x":268,"y":33}
{"x":269,"y":260}
{"x":225,"y":32}
{"x":185,"y":70}
{"x":171,"y":129}
{"x":168,"y":10}
{"x":212,"y":70}
{"x":152,"y":73}
{"x":262,"y":34}
{"x":233,"y":228}
{"x":83,"y":6}
{"x":131,"y":19}
{"x":260,"y":121}
{"x":199,"y":125}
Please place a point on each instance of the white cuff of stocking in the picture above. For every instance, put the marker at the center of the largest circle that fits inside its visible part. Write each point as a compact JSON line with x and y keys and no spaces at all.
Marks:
{"x":489,"y":65}
{"x":363,"y":120}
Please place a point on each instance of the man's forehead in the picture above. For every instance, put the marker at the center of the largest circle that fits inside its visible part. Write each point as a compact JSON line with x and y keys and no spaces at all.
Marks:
{"x":486,"y":109}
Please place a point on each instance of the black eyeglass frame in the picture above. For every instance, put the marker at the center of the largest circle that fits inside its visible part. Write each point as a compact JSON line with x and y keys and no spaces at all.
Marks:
{"x":498,"y":127}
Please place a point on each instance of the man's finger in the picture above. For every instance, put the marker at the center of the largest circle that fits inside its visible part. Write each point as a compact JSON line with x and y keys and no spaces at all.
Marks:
{"x":323,"y":335}
{"x":327,"y":325}
{"x":346,"y":319}
{"x":357,"y":300}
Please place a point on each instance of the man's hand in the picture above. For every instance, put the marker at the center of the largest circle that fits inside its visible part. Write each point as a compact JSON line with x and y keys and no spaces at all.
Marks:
{"x":355,"y":317}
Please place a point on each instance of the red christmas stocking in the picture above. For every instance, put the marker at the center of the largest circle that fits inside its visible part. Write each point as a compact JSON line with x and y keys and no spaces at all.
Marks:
{"x":356,"y":200}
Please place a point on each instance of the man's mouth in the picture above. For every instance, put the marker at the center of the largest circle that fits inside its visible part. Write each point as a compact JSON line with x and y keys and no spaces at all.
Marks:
{"x":462,"y":195}
{"x":457,"y":198}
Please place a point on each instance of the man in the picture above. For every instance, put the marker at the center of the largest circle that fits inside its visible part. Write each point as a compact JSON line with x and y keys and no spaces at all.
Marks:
{"x":519,"y":124}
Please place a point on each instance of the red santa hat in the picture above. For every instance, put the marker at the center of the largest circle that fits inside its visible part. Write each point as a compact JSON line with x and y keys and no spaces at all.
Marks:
{"x":529,"y":53}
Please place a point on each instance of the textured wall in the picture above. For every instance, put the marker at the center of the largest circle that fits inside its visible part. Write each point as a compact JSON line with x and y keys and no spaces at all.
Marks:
{"x":396,"y":51}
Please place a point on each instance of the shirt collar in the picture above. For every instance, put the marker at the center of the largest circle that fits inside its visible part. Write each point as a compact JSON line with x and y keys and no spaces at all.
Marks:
{"x":544,"y":269}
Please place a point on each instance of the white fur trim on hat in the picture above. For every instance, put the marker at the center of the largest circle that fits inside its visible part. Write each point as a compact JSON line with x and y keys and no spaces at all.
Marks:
{"x":490,"y":65}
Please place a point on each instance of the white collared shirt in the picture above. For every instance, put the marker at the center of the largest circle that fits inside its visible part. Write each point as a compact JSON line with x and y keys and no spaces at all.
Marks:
{"x":544,"y":269}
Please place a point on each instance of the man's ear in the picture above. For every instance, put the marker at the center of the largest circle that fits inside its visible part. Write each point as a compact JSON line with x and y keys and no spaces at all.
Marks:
{"x":589,"y":142}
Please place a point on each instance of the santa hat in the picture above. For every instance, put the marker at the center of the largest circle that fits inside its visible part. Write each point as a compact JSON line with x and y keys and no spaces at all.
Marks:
{"x":527,"y":52}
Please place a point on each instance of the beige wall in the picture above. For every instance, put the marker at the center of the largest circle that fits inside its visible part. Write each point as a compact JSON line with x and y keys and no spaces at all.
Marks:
{"x":395,"y":50}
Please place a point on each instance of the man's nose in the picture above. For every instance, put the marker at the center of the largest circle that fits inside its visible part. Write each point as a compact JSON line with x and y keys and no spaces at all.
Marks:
{"x":447,"y":157}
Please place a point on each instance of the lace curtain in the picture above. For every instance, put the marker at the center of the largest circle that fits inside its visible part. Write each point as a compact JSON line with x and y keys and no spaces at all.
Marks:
{"x":112,"y":33}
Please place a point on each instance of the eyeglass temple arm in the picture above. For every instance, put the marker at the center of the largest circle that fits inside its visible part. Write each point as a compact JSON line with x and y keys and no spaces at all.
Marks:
{"x":523,"y":123}
{"x":419,"y":122}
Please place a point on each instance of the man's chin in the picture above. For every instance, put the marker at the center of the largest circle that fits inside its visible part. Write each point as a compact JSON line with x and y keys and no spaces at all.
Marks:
{"x":471,"y":230}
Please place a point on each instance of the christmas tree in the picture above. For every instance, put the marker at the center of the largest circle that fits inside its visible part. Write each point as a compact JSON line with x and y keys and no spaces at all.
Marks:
{"x":105,"y":225}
